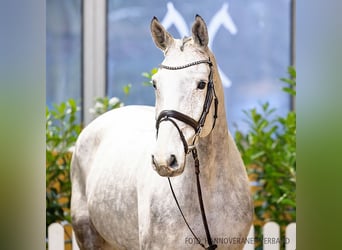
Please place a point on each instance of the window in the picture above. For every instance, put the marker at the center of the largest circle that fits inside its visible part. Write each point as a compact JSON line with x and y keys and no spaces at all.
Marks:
{"x":96,"y":47}
{"x":63,"y":45}
{"x":250,"y":39}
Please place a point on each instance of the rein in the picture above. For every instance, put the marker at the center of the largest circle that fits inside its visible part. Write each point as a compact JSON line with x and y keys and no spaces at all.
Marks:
{"x":170,"y":115}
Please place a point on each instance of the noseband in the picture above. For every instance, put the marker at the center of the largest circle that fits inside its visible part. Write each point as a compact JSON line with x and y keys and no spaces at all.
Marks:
{"x":171,"y":115}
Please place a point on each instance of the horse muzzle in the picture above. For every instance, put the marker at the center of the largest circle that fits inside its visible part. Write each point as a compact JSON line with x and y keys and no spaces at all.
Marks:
{"x":167,"y":166}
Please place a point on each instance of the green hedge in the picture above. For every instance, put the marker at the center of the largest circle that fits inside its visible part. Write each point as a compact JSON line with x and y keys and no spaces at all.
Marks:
{"x":269,"y":153}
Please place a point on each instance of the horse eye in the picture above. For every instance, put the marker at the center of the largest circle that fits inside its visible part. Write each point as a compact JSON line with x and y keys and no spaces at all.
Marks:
{"x":154,"y":84}
{"x":201,"y":85}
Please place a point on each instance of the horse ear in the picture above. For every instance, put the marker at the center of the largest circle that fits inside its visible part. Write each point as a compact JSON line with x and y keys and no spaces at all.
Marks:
{"x":200,"y":32}
{"x":160,"y":36}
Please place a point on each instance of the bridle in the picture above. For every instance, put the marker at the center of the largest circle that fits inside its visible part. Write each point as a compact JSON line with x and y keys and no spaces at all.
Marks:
{"x":171,"y":116}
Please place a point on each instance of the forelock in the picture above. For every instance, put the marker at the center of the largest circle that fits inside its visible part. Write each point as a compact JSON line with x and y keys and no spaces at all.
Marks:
{"x":184,"y":41}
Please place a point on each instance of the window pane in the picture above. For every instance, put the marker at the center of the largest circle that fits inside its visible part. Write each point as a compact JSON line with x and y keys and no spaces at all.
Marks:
{"x":251,"y":44}
{"x":63,"y":50}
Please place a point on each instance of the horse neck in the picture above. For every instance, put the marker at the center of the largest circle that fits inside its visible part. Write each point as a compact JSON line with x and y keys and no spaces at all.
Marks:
{"x":213,"y":149}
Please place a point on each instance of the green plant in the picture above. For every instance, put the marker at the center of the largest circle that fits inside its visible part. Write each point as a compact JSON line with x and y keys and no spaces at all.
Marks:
{"x":104,"y":104}
{"x":269,"y":153}
{"x":127,"y":89}
{"x":148,"y":76}
{"x":62,"y":129}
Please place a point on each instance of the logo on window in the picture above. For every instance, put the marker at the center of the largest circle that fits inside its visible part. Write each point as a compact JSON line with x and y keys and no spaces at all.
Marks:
{"x":220,"y":18}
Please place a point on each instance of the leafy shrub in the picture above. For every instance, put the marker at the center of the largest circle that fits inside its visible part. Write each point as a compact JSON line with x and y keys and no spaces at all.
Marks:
{"x":269,"y":153}
{"x":62,"y":129}
{"x":104,"y":104}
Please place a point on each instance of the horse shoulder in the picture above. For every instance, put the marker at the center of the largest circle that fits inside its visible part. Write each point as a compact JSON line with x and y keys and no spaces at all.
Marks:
{"x":118,"y":123}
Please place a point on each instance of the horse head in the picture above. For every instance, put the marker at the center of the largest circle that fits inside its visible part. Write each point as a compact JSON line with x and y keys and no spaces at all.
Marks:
{"x":184,"y":91}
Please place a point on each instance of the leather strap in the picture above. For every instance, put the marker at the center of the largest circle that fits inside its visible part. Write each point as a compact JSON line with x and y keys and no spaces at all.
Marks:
{"x":200,"y":199}
{"x":177,"y":115}
{"x":185,"y":144}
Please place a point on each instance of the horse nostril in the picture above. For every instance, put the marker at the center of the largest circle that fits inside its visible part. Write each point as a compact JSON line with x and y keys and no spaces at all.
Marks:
{"x":173,"y":161}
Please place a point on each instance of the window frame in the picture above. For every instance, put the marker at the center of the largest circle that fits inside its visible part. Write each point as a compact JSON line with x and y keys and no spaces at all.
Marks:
{"x":94,"y":58}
